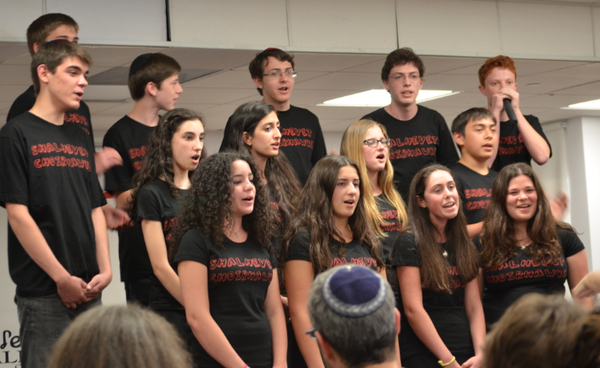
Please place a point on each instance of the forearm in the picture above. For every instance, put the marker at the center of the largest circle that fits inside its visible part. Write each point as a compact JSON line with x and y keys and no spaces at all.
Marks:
{"x":474,"y":229}
{"x":124,"y":200}
{"x":308,"y":346}
{"x":425,"y":330}
{"x":279,"y":336}
{"x":101,"y":235}
{"x":477,"y":328}
{"x":33,"y":241}
{"x":169,"y":279}
{"x":536,"y":145}
{"x":213,"y":340}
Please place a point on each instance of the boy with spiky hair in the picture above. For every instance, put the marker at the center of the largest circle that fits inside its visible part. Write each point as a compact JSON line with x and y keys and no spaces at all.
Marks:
{"x":419,"y":135}
{"x":475,"y":134}
{"x":521,"y":140}
{"x":57,"y":238}
{"x":154,"y":85}
{"x":272,"y":71}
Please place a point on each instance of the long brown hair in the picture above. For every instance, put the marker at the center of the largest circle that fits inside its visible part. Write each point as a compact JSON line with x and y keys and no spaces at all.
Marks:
{"x":498,"y":234}
{"x":352,"y":144}
{"x":434,"y":267}
{"x":316,"y":216}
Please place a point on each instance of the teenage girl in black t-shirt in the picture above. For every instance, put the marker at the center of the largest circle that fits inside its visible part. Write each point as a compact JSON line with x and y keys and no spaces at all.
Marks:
{"x":367,"y":143}
{"x":331,"y":229}
{"x":437,"y":267}
{"x":174,"y":151}
{"x":228,"y":268}
{"x":524,"y":249}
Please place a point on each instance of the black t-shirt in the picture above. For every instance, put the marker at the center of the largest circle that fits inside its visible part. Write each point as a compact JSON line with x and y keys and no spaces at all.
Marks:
{"x":475,"y":191}
{"x":447,"y":311}
{"x":50,"y":169}
{"x":355,"y":252}
{"x":390,"y":227}
{"x":238,"y":279}
{"x":301,"y":140}
{"x":80,"y":117}
{"x":129,"y":138}
{"x":522,"y":275}
{"x":511,"y":148}
{"x":416,"y":143}
{"x":155,"y":203}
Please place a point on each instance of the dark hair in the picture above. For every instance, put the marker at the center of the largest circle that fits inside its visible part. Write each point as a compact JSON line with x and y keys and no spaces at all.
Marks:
{"x":260,"y":61}
{"x":316,"y":215}
{"x":207,"y":204}
{"x":402,"y":56}
{"x":52,"y":54}
{"x":498,"y":234}
{"x":158,"y":68}
{"x":500,"y":61}
{"x":535,"y":332}
{"x":587,"y":334}
{"x":434,"y":267}
{"x":158,"y":161}
{"x":473,"y":114}
{"x":282,"y":183}
{"x":39,"y":29}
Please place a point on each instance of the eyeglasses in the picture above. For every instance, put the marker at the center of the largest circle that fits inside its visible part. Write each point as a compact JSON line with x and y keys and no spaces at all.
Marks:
{"x":411,"y":77}
{"x":279,"y":73}
{"x":372,"y":142}
{"x":311,"y":333}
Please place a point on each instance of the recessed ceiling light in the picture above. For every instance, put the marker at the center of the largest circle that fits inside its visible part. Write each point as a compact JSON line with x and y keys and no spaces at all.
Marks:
{"x":589,"y":105}
{"x":381,"y":97}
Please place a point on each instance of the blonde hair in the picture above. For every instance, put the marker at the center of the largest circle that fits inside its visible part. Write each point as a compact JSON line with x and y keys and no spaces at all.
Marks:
{"x":352,"y":143}
{"x":120,"y":337}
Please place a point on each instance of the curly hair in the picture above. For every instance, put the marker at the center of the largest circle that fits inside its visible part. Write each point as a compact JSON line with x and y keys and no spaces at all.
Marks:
{"x":158,"y":161}
{"x":434,"y":267}
{"x":316,"y":216}
{"x":500,"y":61}
{"x":402,"y":56}
{"x":282,"y":181}
{"x":498,"y":234}
{"x":207,"y":205}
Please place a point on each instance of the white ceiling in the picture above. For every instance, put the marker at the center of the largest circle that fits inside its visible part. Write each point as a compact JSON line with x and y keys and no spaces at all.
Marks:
{"x":545,"y":86}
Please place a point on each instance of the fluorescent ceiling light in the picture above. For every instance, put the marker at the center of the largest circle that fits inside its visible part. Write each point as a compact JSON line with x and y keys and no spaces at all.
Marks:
{"x":381,"y":97}
{"x":589,"y":105}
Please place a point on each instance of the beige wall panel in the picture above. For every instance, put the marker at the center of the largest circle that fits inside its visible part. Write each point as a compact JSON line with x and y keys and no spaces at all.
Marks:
{"x":350,"y":25}
{"x":230,"y":23}
{"x":15,"y":17}
{"x":596,"y":24}
{"x":448,"y":27}
{"x":533,"y":30}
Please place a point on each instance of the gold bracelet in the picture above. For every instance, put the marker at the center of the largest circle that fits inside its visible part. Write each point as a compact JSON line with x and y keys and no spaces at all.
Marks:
{"x":445,"y":364}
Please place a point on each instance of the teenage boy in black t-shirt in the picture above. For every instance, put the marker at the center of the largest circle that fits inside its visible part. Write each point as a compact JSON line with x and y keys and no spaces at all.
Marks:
{"x":57,"y":238}
{"x":419,"y":135}
{"x":302,"y":141}
{"x":57,"y":26}
{"x":154,"y":86}
{"x":475,"y":134}
{"x":521,"y":140}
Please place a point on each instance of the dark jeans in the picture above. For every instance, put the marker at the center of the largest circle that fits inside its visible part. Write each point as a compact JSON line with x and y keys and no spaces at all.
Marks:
{"x":138,"y":291}
{"x":43,"y":320}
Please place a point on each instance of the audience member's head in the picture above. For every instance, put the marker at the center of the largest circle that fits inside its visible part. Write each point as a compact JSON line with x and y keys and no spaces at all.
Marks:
{"x":352,"y":310}
{"x":120,"y":337}
{"x":534,"y":332}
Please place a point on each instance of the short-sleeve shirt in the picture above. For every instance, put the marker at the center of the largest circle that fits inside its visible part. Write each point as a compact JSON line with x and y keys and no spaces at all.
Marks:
{"x":523,"y":275}
{"x":475,"y":191}
{"x":239,"y":275}
{"x":417,"y":142}
{"x":50,"y":169}
{"x":355,"y":252}
{"x":511,"y":147}
{"x":129,"y":138}
{"x":155,"y":203}
{"x":447,"y":311}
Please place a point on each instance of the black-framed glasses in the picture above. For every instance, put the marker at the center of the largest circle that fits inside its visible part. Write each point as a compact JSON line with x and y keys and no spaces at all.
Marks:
{"x":372,"y":142}
{"x":279,"y":73}
{"x":411,"y":77}
{"x":311,"y":333}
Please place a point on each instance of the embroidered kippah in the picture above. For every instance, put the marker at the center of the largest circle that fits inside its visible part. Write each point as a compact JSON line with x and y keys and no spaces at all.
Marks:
{"x":138,"y":63}
{"x":354,"y":291}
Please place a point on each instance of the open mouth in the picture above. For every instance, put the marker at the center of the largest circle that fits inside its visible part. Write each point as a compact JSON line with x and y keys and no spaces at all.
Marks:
{"x":350,"y":202}
{"x":380,"y":157}
{"x":248,"y":199}
{"x":449,"y":205}
{"x":196,"y":158}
